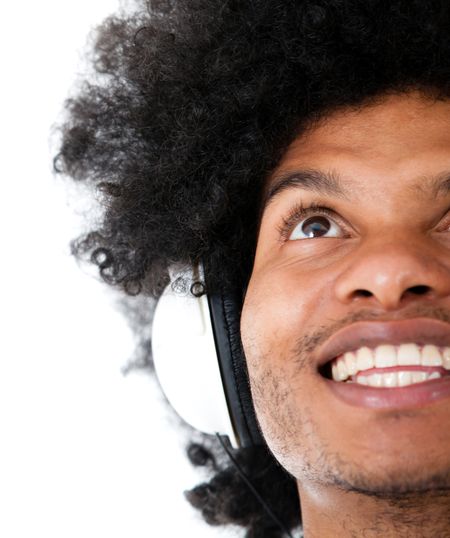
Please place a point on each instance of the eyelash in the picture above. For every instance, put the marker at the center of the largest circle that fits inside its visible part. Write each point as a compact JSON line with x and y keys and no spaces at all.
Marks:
{"x":300,"y":212}
{"x":447,"y":219}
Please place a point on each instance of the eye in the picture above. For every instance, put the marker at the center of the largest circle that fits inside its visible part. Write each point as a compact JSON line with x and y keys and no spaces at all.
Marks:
{"x":317,"y":226}
{"x":312,"y":221}
{"x":445,"y":227}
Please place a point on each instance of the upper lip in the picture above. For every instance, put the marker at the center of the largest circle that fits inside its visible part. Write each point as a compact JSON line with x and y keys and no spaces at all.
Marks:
{"x":373,"y":333}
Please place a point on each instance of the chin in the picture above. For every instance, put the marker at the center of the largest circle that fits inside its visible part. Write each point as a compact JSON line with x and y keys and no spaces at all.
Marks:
{"x":393,"y":479}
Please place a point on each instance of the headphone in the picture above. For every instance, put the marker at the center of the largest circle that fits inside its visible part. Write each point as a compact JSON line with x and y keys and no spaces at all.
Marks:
{"x":199,"y":360}
{"x":201,"y":368}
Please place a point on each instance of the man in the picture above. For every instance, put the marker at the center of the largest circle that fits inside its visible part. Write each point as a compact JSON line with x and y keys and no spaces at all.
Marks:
{"x":302,"y":150}
{"x":361,"y":266}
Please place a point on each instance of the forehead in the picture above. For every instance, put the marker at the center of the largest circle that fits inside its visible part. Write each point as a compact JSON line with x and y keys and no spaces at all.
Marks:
{"x":384,"y":139}
{"x":393,"y":124}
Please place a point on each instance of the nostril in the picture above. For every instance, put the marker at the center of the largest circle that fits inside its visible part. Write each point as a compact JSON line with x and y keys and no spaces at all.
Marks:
{"x":419,"y":290}
{"x":363,"y":293}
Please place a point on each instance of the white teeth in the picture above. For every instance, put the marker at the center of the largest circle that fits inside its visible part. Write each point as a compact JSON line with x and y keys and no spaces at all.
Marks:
{"x":334,"y":371}
{"x":446,"y":358}
{"x":364,"y":359}
{"x":431,"y":356}
{"x":375,"y":380}
{"x":395,"y":379}
{"x":385,"y":356}
{"x":408,"y":354}
{"x":404,"y":378}
{"x":390,"y":380}
{"x":418,"y":377}
{"x":352,"y":363}
{"x":342,"y":370}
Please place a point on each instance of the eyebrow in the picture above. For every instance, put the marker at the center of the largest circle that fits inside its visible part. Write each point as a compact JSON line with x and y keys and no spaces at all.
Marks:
{"x":330,"y":184}
{"x":439,"y":185}
{"x":325,"y":183}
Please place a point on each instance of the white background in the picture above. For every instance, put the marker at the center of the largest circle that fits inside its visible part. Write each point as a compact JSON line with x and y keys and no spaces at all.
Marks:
{"x":84,"y":451}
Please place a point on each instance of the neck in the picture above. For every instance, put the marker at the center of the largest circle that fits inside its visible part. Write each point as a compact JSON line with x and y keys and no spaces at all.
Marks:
{"x":329,"y":512}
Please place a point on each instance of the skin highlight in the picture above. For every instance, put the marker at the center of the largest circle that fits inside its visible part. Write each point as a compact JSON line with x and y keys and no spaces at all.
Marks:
{"x":360,"y":472}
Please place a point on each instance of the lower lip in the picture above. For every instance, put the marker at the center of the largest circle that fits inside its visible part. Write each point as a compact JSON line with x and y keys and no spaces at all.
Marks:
{"x":416,"y":395}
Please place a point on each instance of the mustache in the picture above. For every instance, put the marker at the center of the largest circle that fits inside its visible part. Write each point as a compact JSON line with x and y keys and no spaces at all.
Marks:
{"x":307,"y":343}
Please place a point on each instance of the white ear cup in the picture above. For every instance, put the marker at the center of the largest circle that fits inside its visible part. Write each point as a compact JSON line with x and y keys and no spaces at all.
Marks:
{"x":186,"y":363}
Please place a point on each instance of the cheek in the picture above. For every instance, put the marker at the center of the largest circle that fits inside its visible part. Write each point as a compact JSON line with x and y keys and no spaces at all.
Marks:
{"x":282,"y":308}
{"x":268,"y":325}
{"x":273,"y":320}
{"x":279,"y":308}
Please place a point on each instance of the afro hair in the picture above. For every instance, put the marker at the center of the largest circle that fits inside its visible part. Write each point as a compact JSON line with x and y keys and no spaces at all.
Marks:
{"x":195,"y":103}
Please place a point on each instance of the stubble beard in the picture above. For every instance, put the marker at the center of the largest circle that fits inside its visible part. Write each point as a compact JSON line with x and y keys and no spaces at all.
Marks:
{"x":295,"y":432}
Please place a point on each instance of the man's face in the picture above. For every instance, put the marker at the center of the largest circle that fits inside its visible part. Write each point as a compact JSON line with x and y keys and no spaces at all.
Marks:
{"x":326,"y":282}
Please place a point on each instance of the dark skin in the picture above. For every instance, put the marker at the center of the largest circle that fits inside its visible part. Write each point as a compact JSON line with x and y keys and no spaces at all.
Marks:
{"x":360,"y":471}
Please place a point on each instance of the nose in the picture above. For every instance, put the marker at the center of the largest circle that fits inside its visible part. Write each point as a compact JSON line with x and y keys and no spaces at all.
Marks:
{"x":392,"y":273}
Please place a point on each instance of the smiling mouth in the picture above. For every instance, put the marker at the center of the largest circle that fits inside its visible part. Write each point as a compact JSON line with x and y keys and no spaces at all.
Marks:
{"x":389,"y":366}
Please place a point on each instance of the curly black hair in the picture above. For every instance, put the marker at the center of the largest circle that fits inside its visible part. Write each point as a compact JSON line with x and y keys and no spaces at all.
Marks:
{"x":195,"y":103}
